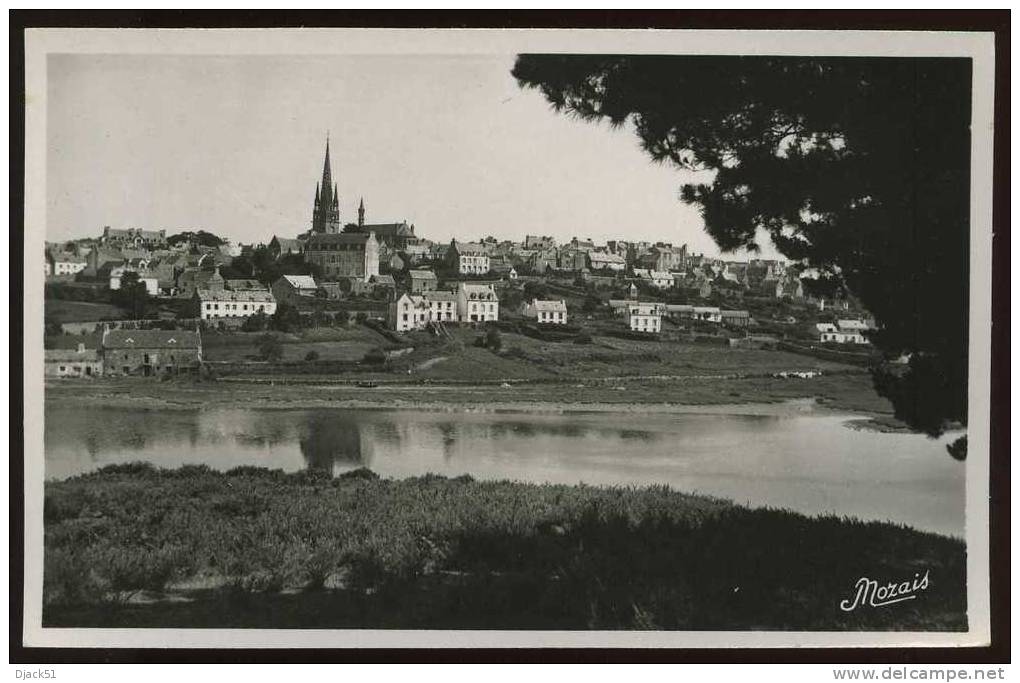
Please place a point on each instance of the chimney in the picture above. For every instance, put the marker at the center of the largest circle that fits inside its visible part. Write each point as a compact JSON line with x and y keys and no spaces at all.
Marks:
{"x":81,"y":347}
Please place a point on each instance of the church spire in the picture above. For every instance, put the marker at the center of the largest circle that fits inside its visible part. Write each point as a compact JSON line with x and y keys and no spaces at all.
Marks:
{"x":327,"y":178}
{"x":361,"y":213}
{"x":326,"y":208}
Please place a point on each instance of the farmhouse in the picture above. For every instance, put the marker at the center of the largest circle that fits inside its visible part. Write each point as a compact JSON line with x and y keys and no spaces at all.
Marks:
{"x":442,"y":305}
{"x":291,"y":288}
{"x":80,"y":362}
{"x":477,"y":303}
{"x":409,"y":312}
{"x":547,"y":312}
{"x":645,"y":317}
{"x":467,"y":258}
{"x":225,"y":303}
{"x":150,"y":352}
{"x":735,"y":318}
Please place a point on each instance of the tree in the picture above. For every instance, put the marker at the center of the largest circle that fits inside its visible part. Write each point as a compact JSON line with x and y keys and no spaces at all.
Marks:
{"x":200,"y":238}
{"x":286,"y":318}
{"x":858,"y":167}
{"x":493,"y":340}
{"x":255,"y":323}
{"x":270,"y":347}
{"x":132,"y":295}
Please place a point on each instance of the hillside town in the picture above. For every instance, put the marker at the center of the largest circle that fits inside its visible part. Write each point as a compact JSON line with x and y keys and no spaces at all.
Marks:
{"x":134,"y":301}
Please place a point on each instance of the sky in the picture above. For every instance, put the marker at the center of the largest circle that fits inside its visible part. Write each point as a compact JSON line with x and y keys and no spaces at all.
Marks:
{"x":234,"y":145}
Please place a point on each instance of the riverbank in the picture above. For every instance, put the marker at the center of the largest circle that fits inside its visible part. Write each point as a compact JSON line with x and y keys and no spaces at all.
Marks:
{"x":846,"y":392}
{"x":259,"y":548}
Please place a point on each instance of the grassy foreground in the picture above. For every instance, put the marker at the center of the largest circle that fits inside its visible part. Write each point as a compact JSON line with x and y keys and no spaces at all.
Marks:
{"x":133,"y":546}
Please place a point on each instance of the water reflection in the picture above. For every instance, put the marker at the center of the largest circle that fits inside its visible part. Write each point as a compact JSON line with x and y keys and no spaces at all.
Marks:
{"x":808,"y":463}
{"x":332,"y":442}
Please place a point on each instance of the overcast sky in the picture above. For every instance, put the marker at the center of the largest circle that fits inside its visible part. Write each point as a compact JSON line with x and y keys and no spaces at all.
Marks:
{"x":234,"y":145}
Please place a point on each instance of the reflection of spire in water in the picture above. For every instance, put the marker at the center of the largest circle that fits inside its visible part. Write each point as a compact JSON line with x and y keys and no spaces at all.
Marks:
{"x":332,"y":439}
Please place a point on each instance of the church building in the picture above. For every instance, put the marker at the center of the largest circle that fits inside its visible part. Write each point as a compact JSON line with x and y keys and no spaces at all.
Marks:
{"x":340,"y":255}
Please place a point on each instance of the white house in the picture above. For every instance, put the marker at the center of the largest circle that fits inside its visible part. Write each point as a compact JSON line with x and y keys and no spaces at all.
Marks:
{"x":656,"y":278}
{"x":843,"y":332}
{"x":477,"y":303}
{"x":150,"y":281}
{"x":442,"y":305}
{"x":598,"y":260}
{"x":225,"y":303}
{"x":469,"y":258}
{"x":409,"y":312}
{"x":645,"y":317}
{"x":710,"y":314}
{"x":547,"y":312}
{"x":62,"y":263}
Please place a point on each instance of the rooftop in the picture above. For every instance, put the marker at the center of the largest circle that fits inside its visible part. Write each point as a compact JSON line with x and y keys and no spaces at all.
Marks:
{"x":151,"y":339}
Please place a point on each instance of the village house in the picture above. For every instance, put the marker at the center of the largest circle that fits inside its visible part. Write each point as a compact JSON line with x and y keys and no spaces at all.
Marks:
{"x":80,"y":362}
{"x":409,"y":312}
{"x":290,"y":289}
{"x":377,"y":285}
{"x":709,"y":314}
{"x":225,"y":303}
{"x":191,"y":280}
{"x":539,"y":242}
{"x":61,"y":263}
{"x":146,"y":278}
{"x":421,"y":281}
{"x":600,"y":260}
{"x":664,"y":257}
{"x":467,"y":258}
{"x":282,"y":246}
{"x":735,"y":318}
{"x":656,"y":278}
{"x":133,"y":238}
{"x":477,"y":303}
{"x":546,"y":312}
{"x":442,"y":305}
{"x":645,"y":316}
{"x":353,"y":255}
{"x":150,"y":352}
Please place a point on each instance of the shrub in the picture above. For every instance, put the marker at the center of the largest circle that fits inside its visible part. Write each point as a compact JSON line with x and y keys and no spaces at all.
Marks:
{"x":270,"y":348}
{"x":362,"y":473}
{"x":493,"y":340}
{"x":312,"y":355}
{"x":375,"y":356}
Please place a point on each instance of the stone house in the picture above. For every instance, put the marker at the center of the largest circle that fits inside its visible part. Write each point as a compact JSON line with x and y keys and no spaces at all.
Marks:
{"x":150,"y":352}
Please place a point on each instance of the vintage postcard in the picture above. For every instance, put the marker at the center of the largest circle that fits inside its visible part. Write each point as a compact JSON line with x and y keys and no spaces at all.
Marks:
{"x":507,"y":338}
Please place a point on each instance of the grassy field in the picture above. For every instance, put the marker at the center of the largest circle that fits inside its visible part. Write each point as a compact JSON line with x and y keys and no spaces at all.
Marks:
{"x":133,"y":546}
{"x":339,"y":343}
{"x":62,"y":311}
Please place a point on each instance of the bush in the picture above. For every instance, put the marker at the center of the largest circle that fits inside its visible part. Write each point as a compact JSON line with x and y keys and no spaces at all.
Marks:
{"x":493,"y":340}
{"x":312,"y":355}
{"x":255,"y":323}
{"x":362,"y":473}
{"x":375,"y":356}
{"x":270,"y":348}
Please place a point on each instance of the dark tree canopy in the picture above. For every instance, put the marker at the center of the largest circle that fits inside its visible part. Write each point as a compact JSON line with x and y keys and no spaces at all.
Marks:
{"x":199,"y":238}
{"x":857,"y":167}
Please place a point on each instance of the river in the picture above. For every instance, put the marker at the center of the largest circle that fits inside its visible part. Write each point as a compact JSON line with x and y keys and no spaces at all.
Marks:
{"x":801,"y":459}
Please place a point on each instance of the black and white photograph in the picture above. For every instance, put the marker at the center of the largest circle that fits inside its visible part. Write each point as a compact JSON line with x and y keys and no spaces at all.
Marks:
{"x":507,"y":338}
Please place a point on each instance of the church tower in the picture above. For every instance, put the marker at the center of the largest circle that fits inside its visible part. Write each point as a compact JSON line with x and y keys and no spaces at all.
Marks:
{"x":326,"y":209}
{"x":361,"y":213}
